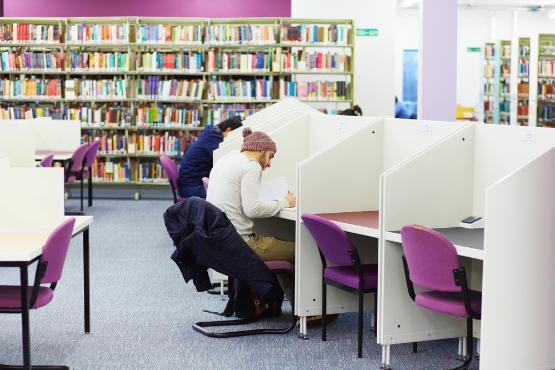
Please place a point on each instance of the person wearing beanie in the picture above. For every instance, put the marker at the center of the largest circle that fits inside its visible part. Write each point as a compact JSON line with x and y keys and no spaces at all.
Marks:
{"x":234,"y":188}
{"x":198,"y":159}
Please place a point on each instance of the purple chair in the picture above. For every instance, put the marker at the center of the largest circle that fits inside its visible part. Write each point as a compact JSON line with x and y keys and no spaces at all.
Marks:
{"x":75,"y":167}
{"x":348,"y":274}
{"x":205,"y":183}
{"x":171,"y":173}
{"x":49,"y":271}
{"x":47,"y":161}
{"x":431,"y":262}
{"x":90,"y":157}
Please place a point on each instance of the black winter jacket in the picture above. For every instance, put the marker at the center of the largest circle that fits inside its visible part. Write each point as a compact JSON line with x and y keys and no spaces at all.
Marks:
{"x":205,"y":238}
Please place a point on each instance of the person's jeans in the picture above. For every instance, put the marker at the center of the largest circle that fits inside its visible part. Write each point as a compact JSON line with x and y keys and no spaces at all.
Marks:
{"x":192,"y":191}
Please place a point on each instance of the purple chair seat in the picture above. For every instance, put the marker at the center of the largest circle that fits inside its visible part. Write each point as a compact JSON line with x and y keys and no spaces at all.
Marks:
{"x":10,"y":296}
{"x":348,"y":275}
{"x":449,"y":303}
{"x":280,"y":265}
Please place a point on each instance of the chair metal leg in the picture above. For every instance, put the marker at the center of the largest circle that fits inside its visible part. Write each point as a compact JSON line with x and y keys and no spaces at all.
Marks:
{"x":82,"y":191}
{"x":25,"y":330}
{"x":469,"y":345}
{"x":90,"y":188}
{"x":360,"y":322}
{"x":385,"y":357}
{"x":324,"y":309}
{"x":414,"y":347}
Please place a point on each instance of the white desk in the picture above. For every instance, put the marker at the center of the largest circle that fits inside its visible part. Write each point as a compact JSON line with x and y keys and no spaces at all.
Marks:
{"x":58,"y":155}
{"x":363,"y":223}
{"x":20,"y":249}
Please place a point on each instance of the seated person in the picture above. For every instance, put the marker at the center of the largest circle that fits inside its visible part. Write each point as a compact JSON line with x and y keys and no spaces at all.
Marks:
{"x":198,"y":159}
{"x":354,"y":111}
{"x":234,"y":187}
{"x":400,"y":110}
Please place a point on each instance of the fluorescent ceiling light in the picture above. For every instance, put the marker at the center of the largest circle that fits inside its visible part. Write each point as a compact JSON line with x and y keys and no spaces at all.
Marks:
{"x":409,"y":3}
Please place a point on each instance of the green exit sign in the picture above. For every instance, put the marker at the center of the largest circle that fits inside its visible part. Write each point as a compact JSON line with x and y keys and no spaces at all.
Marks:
{"x":367,"y":32}
{"x":471,"y":49}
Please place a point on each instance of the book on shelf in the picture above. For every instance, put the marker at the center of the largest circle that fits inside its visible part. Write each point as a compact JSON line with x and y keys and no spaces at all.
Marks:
{"x":97,"y":33}
{"x":546,"y":113}
{"x":524,"y":68}
{"x":101,"y":116}
{"x":115,"y":88}
{"x":260,"y":89}
{"x":160,"y":144}
{"x":315,"y":34}
{"x":309,"y":61}
{"x":165,"y":115}
{"x":546,"y":68}
{"x":226,"y":34}
{"x":221,"y":112}
{"x":154,"y":87}
{"x":169,"y":34}
{"x":21,"y":60}
{"x":151,"y":172}
{"x":30,"y":88}
{"x":108,"y":171}
{"x":22,"y":33}
{"x":490,"y":51}
{"x":17,"y":111}
{"x":109,"y":143}
{"x":238,"y":62}
{"x":313,"y":90}
{"x":545,"y":88}
{"x":172,"y":62}
{"x":96,"y":61}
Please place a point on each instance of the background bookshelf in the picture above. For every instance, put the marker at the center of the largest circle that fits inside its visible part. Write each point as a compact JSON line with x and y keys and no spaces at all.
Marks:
{"x":489,"y":92}
{"x":148,"y":86}
{"x":504,"y":82}
{"x":523,"y":97}
{"x":546,"y":81}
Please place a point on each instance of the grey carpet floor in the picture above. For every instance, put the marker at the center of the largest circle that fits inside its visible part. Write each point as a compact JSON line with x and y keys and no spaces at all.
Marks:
{"x":142,"y":313}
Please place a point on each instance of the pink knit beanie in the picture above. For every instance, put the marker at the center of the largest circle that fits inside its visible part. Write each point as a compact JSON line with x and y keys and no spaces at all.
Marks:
{"x":257,"y":141}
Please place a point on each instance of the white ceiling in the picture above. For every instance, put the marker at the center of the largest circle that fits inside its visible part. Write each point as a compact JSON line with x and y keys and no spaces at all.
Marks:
{"x":498,"y":4}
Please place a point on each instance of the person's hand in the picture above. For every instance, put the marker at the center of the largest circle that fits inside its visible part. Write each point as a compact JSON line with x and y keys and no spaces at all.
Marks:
{"x":291,"y":199}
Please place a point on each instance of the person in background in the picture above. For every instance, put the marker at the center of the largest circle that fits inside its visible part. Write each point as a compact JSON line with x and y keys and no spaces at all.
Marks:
{"x":198,"y":159}
{"x":234,"y":187}
{"x":354,"y":111}
{"x":400,"y":110}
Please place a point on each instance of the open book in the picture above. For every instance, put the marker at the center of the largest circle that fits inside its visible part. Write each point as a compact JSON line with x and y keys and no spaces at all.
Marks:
{"x":273,"y":190}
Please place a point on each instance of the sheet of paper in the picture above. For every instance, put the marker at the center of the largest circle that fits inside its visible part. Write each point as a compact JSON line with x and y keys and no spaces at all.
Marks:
{"x":273,"y":189}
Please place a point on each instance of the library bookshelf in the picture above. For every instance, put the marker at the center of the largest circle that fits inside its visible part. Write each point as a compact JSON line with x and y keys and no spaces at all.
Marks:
{"x":147,"y":87}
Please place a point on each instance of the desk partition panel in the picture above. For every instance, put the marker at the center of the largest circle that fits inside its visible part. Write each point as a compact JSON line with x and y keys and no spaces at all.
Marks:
{"x":17,"y":142}
{"x":57,"y":135}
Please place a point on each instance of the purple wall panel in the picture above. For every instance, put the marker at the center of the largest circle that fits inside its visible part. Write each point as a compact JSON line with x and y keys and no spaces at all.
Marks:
{"x":148,"y":8}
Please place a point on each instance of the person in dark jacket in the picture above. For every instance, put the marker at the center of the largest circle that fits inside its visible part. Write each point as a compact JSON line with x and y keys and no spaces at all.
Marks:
{"x":354,"y":111}
{"x":205,"y":238}
{"x":198,"y":159}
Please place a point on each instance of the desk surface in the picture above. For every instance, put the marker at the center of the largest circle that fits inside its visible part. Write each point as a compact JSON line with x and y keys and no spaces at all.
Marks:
{"x":59,"y":155}
{"x":363,"y":223}
{"x":288,"y":214}
{"x":467,"y":242}
{"x":25,"y":246}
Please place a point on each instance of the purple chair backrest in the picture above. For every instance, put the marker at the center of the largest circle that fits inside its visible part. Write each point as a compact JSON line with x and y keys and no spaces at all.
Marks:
{"x":78,"y":157}
{"x":431,"y":258}
{"x":55,"y":250}
{"x":205,"y":183}
{"x":331,"y":240}
{"x":47,"y":160}
{"x":171,"y":170}
{"x":90,"y":156}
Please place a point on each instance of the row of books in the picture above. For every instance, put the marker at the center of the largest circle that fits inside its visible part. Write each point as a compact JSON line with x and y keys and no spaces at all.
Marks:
{"x":97,"y":89}
{"x":546,"y":113}
{"x":166,"y":33}
{"x":96,"y":61}
{"x":26,"y":60}
{"x":504,"y":87}
{"x":159,"y":115}
{"x":547,"y":49}
{"x":161,"y":144}
{"x":524,"y":50}
{"x":546,"y":88}
{"x":29,"y":33}
{"x":308,"y":33}
{"x":108,"y":171}
{"x":151,"y":172}
{"x":246,"y":62}
{"x":506,"y":51}
{"x":28,"y":112}
{"x":524,"y":68}
{"x":523,"y":88}
{"x":240,"y":34}
{"x":299,"y":60}
{"x":190,"y":61}
{"x":241,"y":89}
{"x":154,"y":87}
{"x":97,"y":33}
{"x":489,"y":51}
{"x":30,"y":88}
{"x":546,"y":68}
{"x":220,"y":112}
{"x":489,"y":70}
{"x":115,"y":115}
{"x":317,"y":90}
{"x":522,"y":109}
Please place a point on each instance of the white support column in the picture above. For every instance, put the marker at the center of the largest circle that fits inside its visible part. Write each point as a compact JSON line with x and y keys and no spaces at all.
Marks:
{"x":437,"y":80}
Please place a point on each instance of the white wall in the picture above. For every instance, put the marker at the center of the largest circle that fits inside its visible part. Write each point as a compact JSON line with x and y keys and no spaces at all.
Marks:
{"x":374,"y":56}
{"x":476,"y":27}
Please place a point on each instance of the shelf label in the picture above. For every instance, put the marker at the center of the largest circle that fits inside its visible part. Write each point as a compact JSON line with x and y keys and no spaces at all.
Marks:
{"x":367,"y":32}
{"x":473,"y":49}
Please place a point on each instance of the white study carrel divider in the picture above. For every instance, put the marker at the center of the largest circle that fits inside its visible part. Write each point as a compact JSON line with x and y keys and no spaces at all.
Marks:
{"x":17,"y":142}
{"x":57,"y":135}
{"x":478,"y":171}
{"x":31,"y":199}
{"x":345,"y":177}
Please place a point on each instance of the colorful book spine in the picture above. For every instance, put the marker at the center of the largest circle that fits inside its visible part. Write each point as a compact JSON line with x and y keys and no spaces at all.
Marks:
{"x":220,"y":112}
{"x":151,"y":172}
{"x":154,"y":87}
{"x":108,"y":171}
{"x":97,"y":34}
{"x":11,"y":111}
{"x":172,"y":62}
{"x":238,"y":62}
{"x":546,"y":68}
{"x":225,"y":34}
{"x":159,"y":115}
{"x":110,"y":143}
{"x":334,"y":34}
{"x":30,"y":88}
{"x":158,"y":144}
{"x":23,"y":33}
{"x":96,"y":89}
{"x":101,"y":116}
{"x":314,"y":90}
{"x":310,"y":61}
{"x":19,"y":60}
{"x":169,"y":34}
{"x":259,"y":89}
{"x":97,"y":61}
